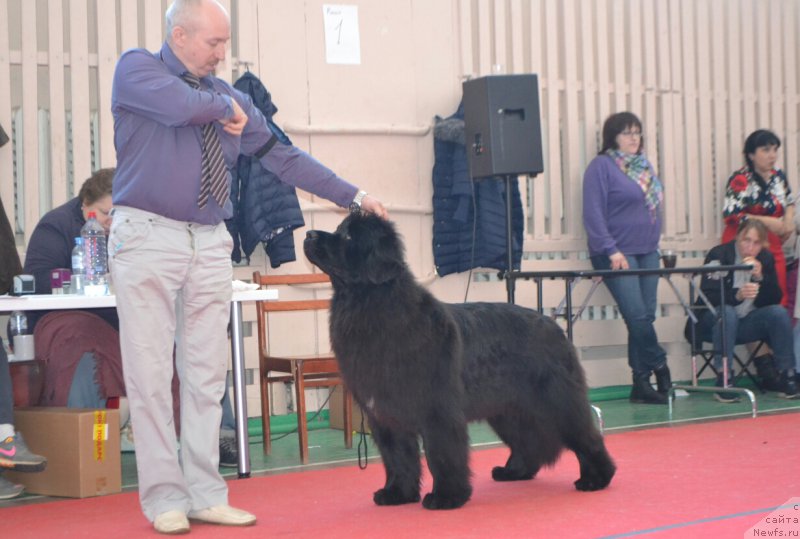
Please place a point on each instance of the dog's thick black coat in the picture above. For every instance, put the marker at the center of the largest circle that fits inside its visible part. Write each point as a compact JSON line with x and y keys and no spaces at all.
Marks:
{"x":419,"y":367}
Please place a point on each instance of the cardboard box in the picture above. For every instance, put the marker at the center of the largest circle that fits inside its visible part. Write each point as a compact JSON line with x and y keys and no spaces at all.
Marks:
{"x":82,"y":450}
{"x":336,"y":412}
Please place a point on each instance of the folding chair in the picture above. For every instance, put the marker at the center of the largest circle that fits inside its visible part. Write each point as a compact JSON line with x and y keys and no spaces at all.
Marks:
{"x":699,"y":351}
{"x":707,"y":356}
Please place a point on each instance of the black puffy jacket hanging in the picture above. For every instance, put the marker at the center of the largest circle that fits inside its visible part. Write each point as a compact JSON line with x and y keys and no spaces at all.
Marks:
{"x":265,"y":210}
{"x":455,"y":214}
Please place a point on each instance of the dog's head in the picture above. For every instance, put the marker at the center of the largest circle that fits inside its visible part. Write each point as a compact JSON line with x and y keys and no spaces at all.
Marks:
{"x":365,"y":249}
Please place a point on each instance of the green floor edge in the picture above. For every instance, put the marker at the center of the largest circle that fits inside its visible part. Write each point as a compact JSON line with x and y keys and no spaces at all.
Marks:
{"x":281,"y":424}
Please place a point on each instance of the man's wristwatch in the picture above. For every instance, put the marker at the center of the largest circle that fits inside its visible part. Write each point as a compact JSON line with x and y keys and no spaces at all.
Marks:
{"x":356,"y":204}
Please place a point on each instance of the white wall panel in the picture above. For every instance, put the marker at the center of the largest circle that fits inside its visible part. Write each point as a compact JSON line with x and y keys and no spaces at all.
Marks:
{"x":700,"y":73}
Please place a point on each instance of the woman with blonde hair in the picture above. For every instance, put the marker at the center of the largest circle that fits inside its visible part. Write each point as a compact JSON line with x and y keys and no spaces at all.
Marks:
{"x":753,"y":310}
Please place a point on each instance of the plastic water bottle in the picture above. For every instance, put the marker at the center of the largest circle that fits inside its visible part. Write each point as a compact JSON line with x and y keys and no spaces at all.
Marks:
{"x":77,"y":257}
{"x":95,"y":257}
{"x":17,"y":324}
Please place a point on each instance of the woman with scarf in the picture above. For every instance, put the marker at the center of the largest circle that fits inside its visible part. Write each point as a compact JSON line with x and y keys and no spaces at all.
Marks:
{"x":622,"y":199}
{"x":760,"y":191}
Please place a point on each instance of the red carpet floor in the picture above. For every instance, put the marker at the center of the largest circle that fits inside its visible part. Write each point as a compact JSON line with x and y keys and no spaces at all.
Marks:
{"x":708,"y":480}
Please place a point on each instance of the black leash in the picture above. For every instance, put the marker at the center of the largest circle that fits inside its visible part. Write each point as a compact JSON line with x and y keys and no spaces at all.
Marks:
{"x":362,"y":442}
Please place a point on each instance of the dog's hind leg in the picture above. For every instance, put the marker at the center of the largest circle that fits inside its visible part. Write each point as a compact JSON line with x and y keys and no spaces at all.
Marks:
{"x":446,"y":442}
{"x":529,"y":449}
{"x":401,"y":460}
{"x":585,"y":440}
{"x":597,"y":468}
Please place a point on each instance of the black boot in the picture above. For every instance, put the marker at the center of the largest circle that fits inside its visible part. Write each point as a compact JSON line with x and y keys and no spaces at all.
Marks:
{"x":643,"y":393}
{"x":767,"y":374}
{"x":663,"y":379}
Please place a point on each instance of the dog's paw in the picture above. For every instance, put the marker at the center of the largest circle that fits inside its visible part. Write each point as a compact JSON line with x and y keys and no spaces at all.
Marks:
{"x":436,"y":501}
{"x":502,"y":473}
{"x":588,"y":483}
{"x":386,"y":496}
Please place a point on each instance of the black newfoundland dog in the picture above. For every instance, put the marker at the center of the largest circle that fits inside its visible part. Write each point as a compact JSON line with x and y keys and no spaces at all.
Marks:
{"x":418,"y":367}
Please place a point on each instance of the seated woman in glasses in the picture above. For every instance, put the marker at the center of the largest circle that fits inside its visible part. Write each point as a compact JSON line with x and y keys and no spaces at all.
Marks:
{"x":89,"y":370}
{"x":753,"y":309}
{"x":81,"y":348}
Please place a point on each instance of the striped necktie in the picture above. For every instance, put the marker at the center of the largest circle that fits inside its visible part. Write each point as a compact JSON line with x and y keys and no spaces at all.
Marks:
{"x":214,"y":181}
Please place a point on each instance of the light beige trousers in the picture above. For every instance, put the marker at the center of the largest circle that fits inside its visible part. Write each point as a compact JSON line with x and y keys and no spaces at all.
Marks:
{"x":172,"y":280}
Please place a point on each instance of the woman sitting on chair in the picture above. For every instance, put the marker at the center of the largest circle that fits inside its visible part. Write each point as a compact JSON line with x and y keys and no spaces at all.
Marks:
{"x":753,"y":310}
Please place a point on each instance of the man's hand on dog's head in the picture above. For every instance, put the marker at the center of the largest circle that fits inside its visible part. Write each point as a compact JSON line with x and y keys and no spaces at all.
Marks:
{"x":373,"y":205}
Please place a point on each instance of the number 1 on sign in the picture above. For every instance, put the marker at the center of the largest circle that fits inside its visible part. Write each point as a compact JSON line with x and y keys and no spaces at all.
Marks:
{"x":342,"y":43}
{"x":339,"y":32}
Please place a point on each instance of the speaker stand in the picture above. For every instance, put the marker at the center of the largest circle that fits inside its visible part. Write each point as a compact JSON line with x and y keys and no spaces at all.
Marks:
{"x":508,"y":275}
{"x":510,"y":281}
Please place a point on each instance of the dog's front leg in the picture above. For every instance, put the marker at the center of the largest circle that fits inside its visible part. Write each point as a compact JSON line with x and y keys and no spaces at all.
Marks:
{"x":400,"y":453}
{"x":446,"y":442}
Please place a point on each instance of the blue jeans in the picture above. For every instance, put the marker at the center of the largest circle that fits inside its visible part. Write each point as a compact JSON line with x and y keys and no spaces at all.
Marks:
{"x":770,"y":323}
{"x":636,"y":298}
{"x":84,"y":391}
{"x":797,"y":346}
{"x":228,"y":425}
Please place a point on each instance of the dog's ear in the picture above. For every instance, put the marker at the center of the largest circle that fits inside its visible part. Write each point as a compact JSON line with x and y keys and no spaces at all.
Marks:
{"x":384,"y":262}
{"x":381,"y":254}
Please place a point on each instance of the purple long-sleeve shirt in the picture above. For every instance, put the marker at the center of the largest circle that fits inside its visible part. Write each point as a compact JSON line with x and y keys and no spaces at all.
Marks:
{"x":158,"y":121}
{"x":614,"y":213}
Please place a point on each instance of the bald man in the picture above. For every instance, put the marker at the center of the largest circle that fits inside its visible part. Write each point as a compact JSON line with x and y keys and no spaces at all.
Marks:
{"x":178,"y":129}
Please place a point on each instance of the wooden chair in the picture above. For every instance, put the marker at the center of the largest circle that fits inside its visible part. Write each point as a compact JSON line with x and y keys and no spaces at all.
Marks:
{"x":304,"y":371}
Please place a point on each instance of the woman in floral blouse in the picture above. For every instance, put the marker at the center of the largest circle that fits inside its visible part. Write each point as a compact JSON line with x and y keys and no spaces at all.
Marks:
{"x":760,"y":191}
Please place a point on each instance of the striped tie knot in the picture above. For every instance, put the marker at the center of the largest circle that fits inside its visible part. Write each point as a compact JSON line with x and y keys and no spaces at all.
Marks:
{"x":191,"y":80}
{"x":214,"y":177}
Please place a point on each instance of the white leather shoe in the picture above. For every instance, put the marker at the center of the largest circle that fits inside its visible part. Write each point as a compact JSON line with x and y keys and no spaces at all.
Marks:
{"x":171,"y":523}
{"x":225,"y":515}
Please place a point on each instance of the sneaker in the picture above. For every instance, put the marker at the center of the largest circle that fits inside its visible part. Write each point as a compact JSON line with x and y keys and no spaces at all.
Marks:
{"x":15,"y":455}
{"x":228,"y":452}
{"x":788,"y":386}
{"x":9,"y":490}
{"x":725,"y":397}
{"x":126,"y":443}
{"x":224,"y":515}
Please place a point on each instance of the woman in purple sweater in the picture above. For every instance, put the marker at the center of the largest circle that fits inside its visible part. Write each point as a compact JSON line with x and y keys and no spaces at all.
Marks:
{"x":622,"y":199}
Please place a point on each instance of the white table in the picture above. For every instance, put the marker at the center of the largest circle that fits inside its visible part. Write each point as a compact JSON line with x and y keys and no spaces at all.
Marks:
{"x":68,"y":301}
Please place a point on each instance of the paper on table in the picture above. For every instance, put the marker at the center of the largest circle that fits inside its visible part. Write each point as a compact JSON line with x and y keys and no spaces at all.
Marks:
{"x":239,"y":286}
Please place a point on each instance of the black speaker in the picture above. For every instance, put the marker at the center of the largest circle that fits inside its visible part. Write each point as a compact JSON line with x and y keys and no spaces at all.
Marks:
{"x":501,"y":122}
